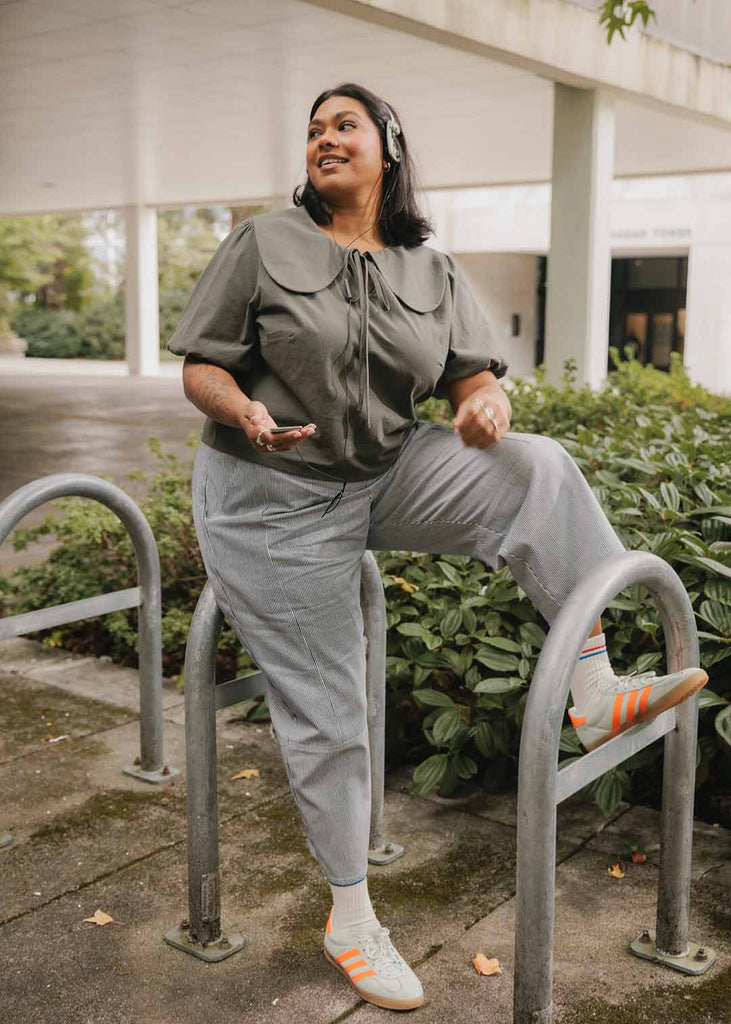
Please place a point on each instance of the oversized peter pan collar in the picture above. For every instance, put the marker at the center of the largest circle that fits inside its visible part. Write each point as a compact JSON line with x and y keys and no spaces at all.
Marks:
{"x":302,"y":258}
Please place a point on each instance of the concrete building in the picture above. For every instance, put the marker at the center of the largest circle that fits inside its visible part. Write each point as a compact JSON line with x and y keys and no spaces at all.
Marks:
{"x":584,"y":187}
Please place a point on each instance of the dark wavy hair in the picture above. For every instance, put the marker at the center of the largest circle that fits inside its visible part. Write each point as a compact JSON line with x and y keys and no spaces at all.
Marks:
{"x":400,"y":219}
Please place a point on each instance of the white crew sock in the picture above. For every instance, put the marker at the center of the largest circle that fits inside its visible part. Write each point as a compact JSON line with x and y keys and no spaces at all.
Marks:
{"x":351,"y":906}
{"x":593,"y":670}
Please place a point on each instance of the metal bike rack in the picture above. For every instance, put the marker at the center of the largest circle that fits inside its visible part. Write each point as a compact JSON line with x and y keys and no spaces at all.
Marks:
{"x":541,"y":787}
{"x":146,"y":597}
{"x":201,"y":934}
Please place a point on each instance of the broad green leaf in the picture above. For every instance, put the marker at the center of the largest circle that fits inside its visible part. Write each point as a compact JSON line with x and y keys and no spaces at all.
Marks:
{"x":451,"y":622}
{"x":624,"y":604}
{"x":503,"y":643}
{"x":708,"y":699}
{"x":412,"y":629}
{"x":484,"y":740}
{"x":608,"y":795}
{"x":704,"y":493}
{"x":421,"y":674}
{"x":427,"y":659}
{"x":451,"y":573}
{"x":722,"y":722}
{"x":569,"y":741}
{"x":722,"y":510}
{"x":647,"y":661}
{"x":429,"y":773}
{"x":496,"y":660}
{"x":466,"y":766}
{"x":469,"y":620}
{"x":446,"y":726}
{"x":432,"y":698}
{"x":670,"y":495}
{"x":650,"y":499}
{"x":452,"y":659}
{"x":491,"y":701}
{"x":533,"y":633}
{"x":714,"y":566}
{"x":718,"y":615}
{"x":499,"y":685}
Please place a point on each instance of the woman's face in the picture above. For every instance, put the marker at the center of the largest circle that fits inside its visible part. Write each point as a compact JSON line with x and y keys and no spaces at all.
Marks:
{"x":341,"y":128}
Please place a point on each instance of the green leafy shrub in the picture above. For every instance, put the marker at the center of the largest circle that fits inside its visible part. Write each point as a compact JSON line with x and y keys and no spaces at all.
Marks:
{"x":463,"y":641}
{"x":94,"y":555}
{"x":50,"y":333}
{"x":95,"y":332}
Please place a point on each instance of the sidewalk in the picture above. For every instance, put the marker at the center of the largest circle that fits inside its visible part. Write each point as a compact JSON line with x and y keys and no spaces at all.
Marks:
{"x":87,"y":837}
{"x":85,"y":416}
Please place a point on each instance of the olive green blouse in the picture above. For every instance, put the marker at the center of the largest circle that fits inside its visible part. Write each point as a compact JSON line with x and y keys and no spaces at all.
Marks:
{"x":328,"y":335}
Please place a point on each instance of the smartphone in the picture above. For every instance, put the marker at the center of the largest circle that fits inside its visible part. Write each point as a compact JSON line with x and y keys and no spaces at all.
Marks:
{"x":279,"y":430}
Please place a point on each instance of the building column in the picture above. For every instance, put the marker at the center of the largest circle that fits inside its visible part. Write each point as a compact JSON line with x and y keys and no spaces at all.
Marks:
{"x":580,"y":259}
{"x":142,"y":315}
{"x":707,"y":348}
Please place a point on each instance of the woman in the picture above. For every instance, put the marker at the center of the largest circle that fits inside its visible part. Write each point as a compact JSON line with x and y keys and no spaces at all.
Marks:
{"x":294,"y":308}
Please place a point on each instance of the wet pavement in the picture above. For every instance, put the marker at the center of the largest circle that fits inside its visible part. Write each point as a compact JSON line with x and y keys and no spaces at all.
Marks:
{"x":58,"y":418}
{"x":87,"y":837}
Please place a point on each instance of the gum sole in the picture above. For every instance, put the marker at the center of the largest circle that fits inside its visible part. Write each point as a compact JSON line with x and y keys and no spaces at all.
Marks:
{"x":670,"y":700}
{"x":387,"y":1004}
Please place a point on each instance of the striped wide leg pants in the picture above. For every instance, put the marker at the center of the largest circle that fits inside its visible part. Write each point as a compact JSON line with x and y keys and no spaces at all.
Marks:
{"x":288,"y":581}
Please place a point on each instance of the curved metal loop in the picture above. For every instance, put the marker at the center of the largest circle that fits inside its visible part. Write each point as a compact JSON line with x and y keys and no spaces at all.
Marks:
{"x":56,"y":485}
{"x":537,"y":772}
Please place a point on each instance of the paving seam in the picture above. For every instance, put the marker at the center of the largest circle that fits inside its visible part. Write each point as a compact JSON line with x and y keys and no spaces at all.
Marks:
{"x":98,"y":732}
{"x":131,"y":863}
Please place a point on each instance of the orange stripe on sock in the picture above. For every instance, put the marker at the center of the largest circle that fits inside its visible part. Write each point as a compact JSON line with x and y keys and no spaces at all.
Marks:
{"x":356,"y":963}
{"x":575,"y":720}
{"x":363,"y":974}
{"x":644,"y":699}
{"x":631,"y":701}
{"x":617,"y":712}
{"x":329,"y":926}
{"x":347,"y":956}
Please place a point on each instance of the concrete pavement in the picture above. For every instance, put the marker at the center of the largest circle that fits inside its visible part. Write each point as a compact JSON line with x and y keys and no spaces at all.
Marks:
{"x":87,"y":837}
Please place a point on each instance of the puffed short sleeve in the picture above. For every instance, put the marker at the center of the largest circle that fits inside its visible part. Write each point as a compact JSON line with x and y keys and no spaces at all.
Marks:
{"x":219,"y":323}
{"x":471,"y":341}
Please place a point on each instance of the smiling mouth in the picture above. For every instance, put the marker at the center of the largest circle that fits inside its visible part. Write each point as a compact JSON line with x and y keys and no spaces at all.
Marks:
{"x":332,"y":163}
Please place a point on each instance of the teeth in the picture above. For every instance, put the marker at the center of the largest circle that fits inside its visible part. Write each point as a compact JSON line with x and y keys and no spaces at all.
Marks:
{"x":333,"y":160}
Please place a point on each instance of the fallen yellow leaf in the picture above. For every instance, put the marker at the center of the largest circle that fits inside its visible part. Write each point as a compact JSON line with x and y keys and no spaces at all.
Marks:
{"x":247,"y":773}
{"x":101,"y":918}
{"x":484,"y":966}
{"x":616,"y":870}
{"x":409,"y":587}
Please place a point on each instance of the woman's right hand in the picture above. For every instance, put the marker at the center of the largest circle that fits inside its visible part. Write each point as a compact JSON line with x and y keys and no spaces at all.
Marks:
{"x":257,"y":418}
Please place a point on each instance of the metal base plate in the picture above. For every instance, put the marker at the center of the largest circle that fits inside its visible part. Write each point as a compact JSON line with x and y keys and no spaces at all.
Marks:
{"x":690,"y":963}
{"x":5,"y":839}
{"x":228,"y":944}
{"x":158,"y":777}
{"x":385,"y":853}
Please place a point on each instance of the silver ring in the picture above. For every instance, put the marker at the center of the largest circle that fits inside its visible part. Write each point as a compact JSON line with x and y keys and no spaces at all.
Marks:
{"x":269,"y":447}
{"x":489,"y":412}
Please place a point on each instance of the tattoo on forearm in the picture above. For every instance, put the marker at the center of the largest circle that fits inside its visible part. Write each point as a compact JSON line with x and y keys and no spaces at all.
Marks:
{"x":216,"y":394}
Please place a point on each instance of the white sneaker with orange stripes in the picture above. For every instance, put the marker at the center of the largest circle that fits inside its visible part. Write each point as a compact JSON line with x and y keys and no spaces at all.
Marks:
{"x":374,"y":967}
{"x":611,"y":707}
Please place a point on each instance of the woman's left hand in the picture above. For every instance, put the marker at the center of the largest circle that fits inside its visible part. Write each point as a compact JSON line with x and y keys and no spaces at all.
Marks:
{"x":483,"y":417}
